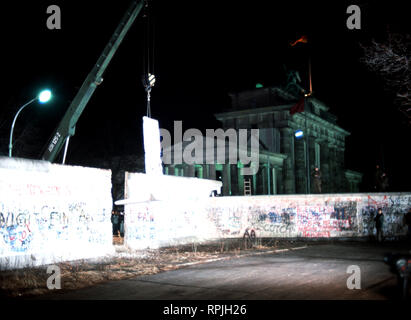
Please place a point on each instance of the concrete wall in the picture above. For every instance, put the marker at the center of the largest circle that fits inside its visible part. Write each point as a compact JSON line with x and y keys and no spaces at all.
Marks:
{"x":163,"y":210}
{"x":162,"y":223}
{"x":51,"y":213}
{"x":309,"y":216}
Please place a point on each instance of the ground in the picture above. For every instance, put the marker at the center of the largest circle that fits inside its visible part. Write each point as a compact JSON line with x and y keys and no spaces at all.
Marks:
{"x":124,"y":264}
{"x":226,"y":270}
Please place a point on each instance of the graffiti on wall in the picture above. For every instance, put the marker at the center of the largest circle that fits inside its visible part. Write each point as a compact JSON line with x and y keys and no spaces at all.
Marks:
{"x":280,"y":216}
{"x":58,"y":222}
{"x":43,"y":213}
{"x":139,"y":223}
{"x":393,"y":208}
{"x":152,"y":225}
{"x":286,"y":218}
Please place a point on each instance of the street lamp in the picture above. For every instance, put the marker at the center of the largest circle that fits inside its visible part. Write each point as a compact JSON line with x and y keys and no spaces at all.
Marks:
{"x":43,"y":97}
{"x":299,"y":134}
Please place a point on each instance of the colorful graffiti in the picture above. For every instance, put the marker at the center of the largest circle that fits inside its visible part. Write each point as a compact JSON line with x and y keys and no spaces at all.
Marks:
{"x":59,"y":213}
{"x":58,"y":222}
{"x":18,"y":238}
{"x":286,"y":219}
{"x":319,"y":216}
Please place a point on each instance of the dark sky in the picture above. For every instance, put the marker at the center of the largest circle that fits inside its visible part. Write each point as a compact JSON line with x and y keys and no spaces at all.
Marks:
{"x":202,"y":51}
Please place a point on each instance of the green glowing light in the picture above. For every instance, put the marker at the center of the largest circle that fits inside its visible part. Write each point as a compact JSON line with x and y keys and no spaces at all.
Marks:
{"x":44,"y":96}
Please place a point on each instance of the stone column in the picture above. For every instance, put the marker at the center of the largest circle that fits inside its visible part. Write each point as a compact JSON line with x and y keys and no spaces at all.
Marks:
{"x":199,"y":172}
{"x":311,"y":152}
{"x":325,"y":166}
{"x":254,"y":187}
{"x":226,"y":180}
{"x":274,"y":181}
{"x":189,"y":171}
{"x":300,"y":167}
{"x":332,"y":181}
{"x":269,"y":179}
{"x":340,"y":170}
{"x":204,"y":170}
{"x":287,"y":147}
{"x":280,"y":184}
{"x":264,"y":179}
{"x":260,"y":180}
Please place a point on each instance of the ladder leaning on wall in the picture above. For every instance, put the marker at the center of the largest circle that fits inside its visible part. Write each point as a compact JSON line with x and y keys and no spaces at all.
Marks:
{"x":247,"y":187}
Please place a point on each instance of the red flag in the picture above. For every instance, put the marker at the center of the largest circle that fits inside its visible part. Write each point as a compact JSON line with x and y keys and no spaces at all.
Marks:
{"x":299,"y":107}
{"x":303,"y":39}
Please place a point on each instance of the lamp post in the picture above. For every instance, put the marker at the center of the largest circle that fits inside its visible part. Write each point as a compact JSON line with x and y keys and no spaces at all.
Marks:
{"x":43,"y":97}
{"x":307,"y":142}
{"x":299,"y":134}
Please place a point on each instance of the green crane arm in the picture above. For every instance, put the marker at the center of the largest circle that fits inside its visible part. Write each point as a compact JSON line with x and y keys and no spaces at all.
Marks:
{"x":67,"y":125}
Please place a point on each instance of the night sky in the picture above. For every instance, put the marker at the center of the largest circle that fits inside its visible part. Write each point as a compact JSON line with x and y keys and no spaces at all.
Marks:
{"x":202,"y":50}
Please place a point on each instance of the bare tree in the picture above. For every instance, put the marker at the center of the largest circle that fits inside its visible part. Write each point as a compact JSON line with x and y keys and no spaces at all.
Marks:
{"x":390,"y":59}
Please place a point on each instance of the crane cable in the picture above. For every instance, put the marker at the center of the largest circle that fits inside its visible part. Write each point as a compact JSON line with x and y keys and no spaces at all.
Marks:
{"x":148,"y":57}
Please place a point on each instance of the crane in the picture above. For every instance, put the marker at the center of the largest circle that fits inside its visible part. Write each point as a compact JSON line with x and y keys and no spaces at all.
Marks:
{"x":67,"y":125}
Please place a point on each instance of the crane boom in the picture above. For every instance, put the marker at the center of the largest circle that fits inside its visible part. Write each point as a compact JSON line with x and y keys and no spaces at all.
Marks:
{"x":67,"y":125}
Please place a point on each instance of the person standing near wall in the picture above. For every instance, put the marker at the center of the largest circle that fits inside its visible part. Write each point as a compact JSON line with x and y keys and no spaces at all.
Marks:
{"x":317,"y":180}
{"x":379,"y":224}
{"x":121,"y":223}
{"x":115,"y":221}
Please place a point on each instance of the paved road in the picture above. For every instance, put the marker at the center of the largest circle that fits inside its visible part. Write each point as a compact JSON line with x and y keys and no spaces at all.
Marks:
{"x":315,"y":272}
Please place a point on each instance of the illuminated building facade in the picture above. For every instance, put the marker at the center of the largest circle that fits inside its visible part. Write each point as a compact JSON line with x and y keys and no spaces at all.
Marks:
{"x":283,"y":157}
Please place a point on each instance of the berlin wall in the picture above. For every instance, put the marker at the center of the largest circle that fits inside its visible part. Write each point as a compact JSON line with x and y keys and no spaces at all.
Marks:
{"x":162,"y":210}
{"x":51,"y":213}
{"x":153,"y":224}
{"x":309,"y":216}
